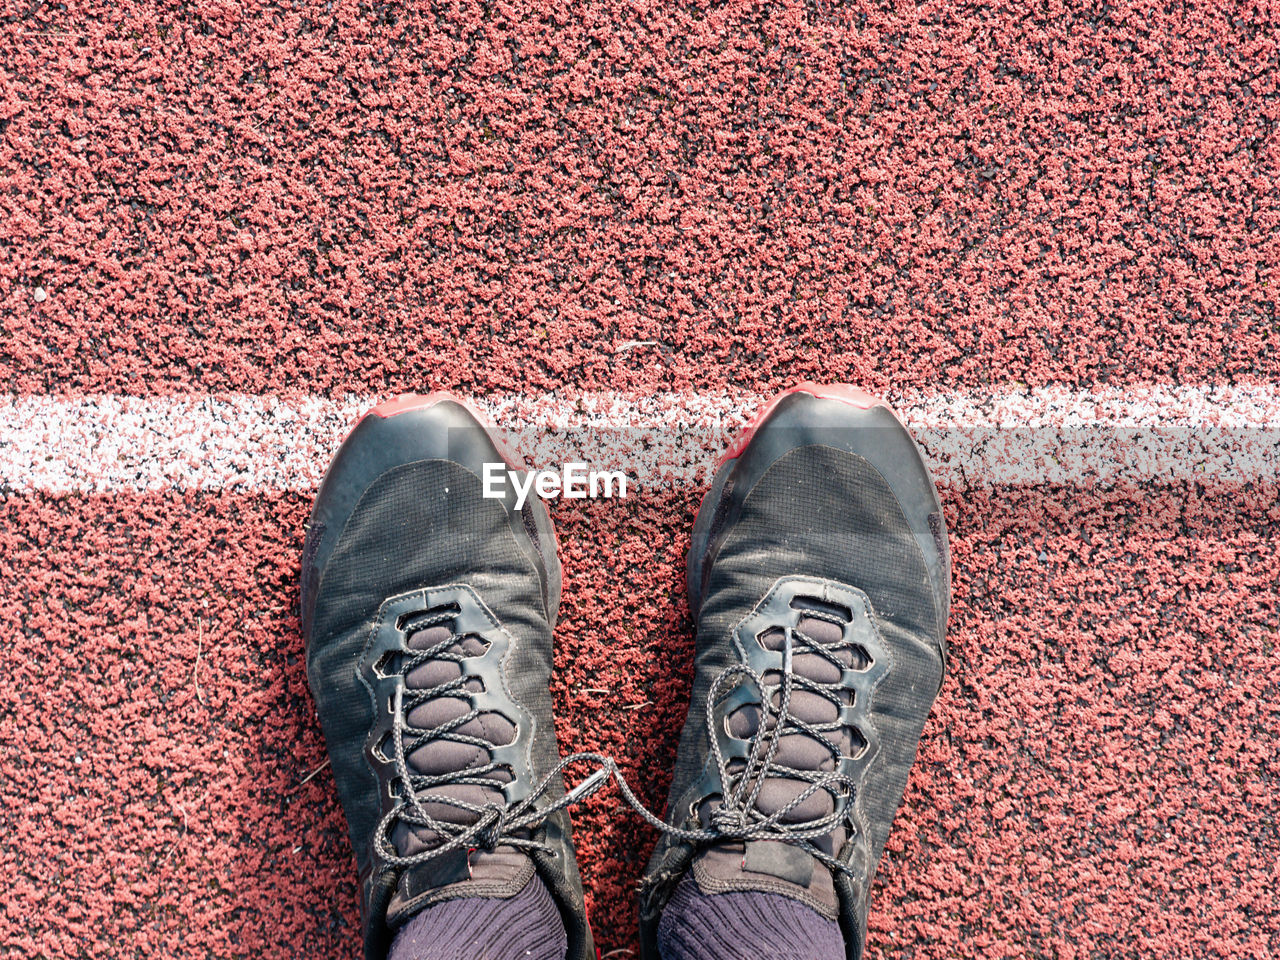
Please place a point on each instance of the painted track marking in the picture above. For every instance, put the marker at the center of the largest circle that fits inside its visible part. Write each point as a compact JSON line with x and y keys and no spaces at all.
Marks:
{"x":102,"y":443}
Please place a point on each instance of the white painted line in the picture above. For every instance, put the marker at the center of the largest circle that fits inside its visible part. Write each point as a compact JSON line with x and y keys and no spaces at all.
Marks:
{"x":105,"y":443}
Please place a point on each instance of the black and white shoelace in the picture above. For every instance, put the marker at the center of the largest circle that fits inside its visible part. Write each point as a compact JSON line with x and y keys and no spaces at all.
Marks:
{"x":736,"y":818}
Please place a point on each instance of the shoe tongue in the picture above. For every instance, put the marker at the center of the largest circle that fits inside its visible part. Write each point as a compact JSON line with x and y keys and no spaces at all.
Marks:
{"x":773,"y":866}
{"x":768,"y":866}
{"x":461,"y":872}
{"x":442,"y":755}
{"x":455,"y":875}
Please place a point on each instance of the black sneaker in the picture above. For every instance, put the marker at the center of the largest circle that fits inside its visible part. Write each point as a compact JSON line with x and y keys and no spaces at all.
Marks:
{"x":820,"y":579}
{"x":428,"y":611}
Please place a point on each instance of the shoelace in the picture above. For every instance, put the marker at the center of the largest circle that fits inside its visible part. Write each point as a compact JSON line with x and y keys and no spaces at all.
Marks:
{"x":736,"y":819}
{"x":494,"y":824}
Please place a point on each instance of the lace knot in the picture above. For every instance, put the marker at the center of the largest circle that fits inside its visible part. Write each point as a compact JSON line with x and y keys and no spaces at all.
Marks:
{"x":730,"y":822}
{"x":490,"y":834}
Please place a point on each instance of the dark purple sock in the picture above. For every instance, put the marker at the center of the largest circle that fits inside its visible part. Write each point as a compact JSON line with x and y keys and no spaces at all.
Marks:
{"x":526,"y":926}
{"x":744,"y":926}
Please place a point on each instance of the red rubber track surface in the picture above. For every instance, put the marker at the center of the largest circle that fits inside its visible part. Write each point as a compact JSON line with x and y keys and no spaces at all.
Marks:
{"x":1098,"y":777}
{"x":350,"y":196}
{"x":339,"y":197}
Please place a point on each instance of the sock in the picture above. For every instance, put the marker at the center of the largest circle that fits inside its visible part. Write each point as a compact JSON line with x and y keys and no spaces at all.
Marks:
{"x":526,"y":926}
{"x":746,"y":925}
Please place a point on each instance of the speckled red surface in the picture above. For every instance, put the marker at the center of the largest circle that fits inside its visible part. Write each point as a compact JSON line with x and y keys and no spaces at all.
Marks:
{"x":346,"y":195}
{"x":323,"y":198}
{"x":1098,"y":776}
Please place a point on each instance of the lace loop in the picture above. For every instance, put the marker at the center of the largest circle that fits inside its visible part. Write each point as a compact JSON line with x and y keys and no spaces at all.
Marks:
{"x":495,"y":825}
